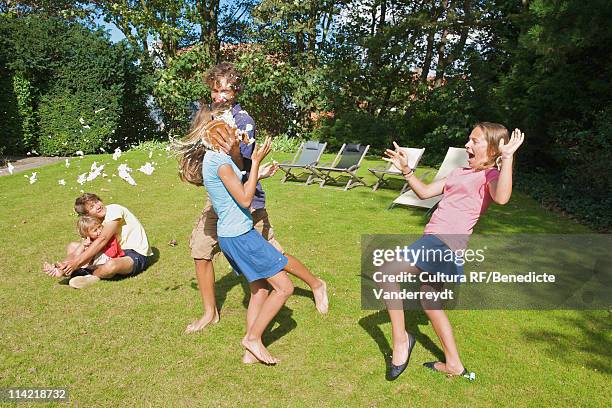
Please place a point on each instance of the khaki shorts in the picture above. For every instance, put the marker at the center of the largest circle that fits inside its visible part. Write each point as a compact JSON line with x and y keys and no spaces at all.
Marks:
{"x":204,"y":243}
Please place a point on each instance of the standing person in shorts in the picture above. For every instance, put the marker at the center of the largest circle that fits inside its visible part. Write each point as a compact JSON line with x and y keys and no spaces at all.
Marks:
{"x":224,"y":81}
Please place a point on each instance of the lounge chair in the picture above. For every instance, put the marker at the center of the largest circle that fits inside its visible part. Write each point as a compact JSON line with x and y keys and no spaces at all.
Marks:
{"x":455,"y":157}
{"x":307,"y":155}
{"x":414,"y":156}
{"x":347,"y":162}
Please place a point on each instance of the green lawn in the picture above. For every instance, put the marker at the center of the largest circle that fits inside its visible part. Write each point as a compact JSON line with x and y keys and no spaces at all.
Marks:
{"x":121,"y":343}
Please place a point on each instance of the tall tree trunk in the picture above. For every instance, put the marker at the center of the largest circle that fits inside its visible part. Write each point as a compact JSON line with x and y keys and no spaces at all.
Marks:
{"x":383,"y":14}
{"x":428,"y":55}
{"x":209,"y":23}
{"x":441,"y":66}
{"x":326,"y":24}
{"x":464,"y":32}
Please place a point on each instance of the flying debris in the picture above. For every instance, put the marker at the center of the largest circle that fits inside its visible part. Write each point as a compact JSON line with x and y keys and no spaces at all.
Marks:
{"x":117,"y":154}
{"x":150,"y":154}
{"x":99,"y":110}
{"x":79,"y":153}
{"x":82,"y":178}
{"x":124,"y":173}
{"x":32,"y":177}
{"x":67,"y":163}
{"x":147,"y":169}
{"x":95,"y":171}
{"x":81,"y":121}
{"x":61,"y":182}
{"x":10,"y":168}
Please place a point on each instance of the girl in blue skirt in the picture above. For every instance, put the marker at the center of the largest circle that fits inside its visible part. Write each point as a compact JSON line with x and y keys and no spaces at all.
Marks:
{"x":247,"y":251}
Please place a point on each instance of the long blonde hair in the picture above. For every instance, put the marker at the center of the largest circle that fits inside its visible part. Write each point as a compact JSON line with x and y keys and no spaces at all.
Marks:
{"x":191,"y":149}
{"x":493,"y":133}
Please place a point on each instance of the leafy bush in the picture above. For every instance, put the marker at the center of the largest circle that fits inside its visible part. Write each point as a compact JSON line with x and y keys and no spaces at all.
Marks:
{"x":85,"y":92}
{"x":27,"y":118}
{"x":69,"y":123}
{"x":581,"y":185}
{"x":357,"y":127}
{"x":283,"y":143}
{"x":178,"y":85}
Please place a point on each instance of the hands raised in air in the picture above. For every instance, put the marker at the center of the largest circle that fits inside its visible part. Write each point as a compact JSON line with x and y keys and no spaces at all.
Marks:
{"x":398,"y":157}
{"x":507,"y":150}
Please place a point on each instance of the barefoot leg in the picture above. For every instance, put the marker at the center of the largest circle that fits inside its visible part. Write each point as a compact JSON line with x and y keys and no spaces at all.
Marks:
{"x":259,"y":293}
{"x":282,"y":289}
{"x":205,"y":275}
{"x":318,"y":286}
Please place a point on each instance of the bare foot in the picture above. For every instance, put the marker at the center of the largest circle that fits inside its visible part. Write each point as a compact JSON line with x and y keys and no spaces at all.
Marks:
{"x":320,"y":296}
{"x":52,"y":270}
{"x":451,"y":371}
{"x":202,"y":322}
{"x":400,"y":351}
{"x":260,"y":351}
{"x":249,"y":358}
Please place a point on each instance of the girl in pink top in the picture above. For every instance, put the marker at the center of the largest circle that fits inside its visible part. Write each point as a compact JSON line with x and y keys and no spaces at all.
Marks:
{"x":467,"y":194}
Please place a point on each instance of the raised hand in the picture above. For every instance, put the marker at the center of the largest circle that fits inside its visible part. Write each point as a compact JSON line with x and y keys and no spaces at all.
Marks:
{"x":507,"y":150}
{"x":261,"y":151}
{"x":398,"y":157}
{"x":268,"y":170}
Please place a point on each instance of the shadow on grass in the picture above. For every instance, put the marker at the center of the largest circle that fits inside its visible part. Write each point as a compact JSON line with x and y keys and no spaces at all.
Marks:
{"x":371,"y":324}
{"x":578,"y":340}
{"x":282,"y":323}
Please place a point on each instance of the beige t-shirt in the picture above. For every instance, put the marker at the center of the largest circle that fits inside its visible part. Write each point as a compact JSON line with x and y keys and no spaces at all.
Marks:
{"x":132,"y":234}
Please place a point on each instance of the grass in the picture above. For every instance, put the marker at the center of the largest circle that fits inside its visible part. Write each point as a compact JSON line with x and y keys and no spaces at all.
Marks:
{"x":121,"y":343}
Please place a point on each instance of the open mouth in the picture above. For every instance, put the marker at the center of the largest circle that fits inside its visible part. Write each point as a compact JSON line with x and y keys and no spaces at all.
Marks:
{"x":470,"y":155}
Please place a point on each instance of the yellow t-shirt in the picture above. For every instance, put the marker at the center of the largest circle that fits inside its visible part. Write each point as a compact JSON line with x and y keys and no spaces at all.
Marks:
{"x":132,"y":235}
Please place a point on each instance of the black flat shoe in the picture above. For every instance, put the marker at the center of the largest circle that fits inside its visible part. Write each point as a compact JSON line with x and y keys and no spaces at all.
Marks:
{"x":396,"y":371}
{"x":465,"y":373}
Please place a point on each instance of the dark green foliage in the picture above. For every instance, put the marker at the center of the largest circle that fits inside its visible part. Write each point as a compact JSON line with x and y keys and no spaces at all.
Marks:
{"x":74,"y":89}
{"x":358,"y":127}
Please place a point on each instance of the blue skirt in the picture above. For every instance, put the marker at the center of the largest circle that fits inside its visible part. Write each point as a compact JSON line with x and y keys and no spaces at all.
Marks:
{"x":252,"y":256}
{"x":436,"y":257}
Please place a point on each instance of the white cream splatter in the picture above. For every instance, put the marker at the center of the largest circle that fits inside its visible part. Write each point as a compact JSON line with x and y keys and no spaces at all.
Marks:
{"x":124,"y":173}
{"x":82,"y":178}
{"x":147,"y":169}
{"x":32,"y":178}
{"x":95,"y":171}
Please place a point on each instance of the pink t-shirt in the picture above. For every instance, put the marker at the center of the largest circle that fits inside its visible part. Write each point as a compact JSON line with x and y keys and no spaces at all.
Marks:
{"x":466,"y":197}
